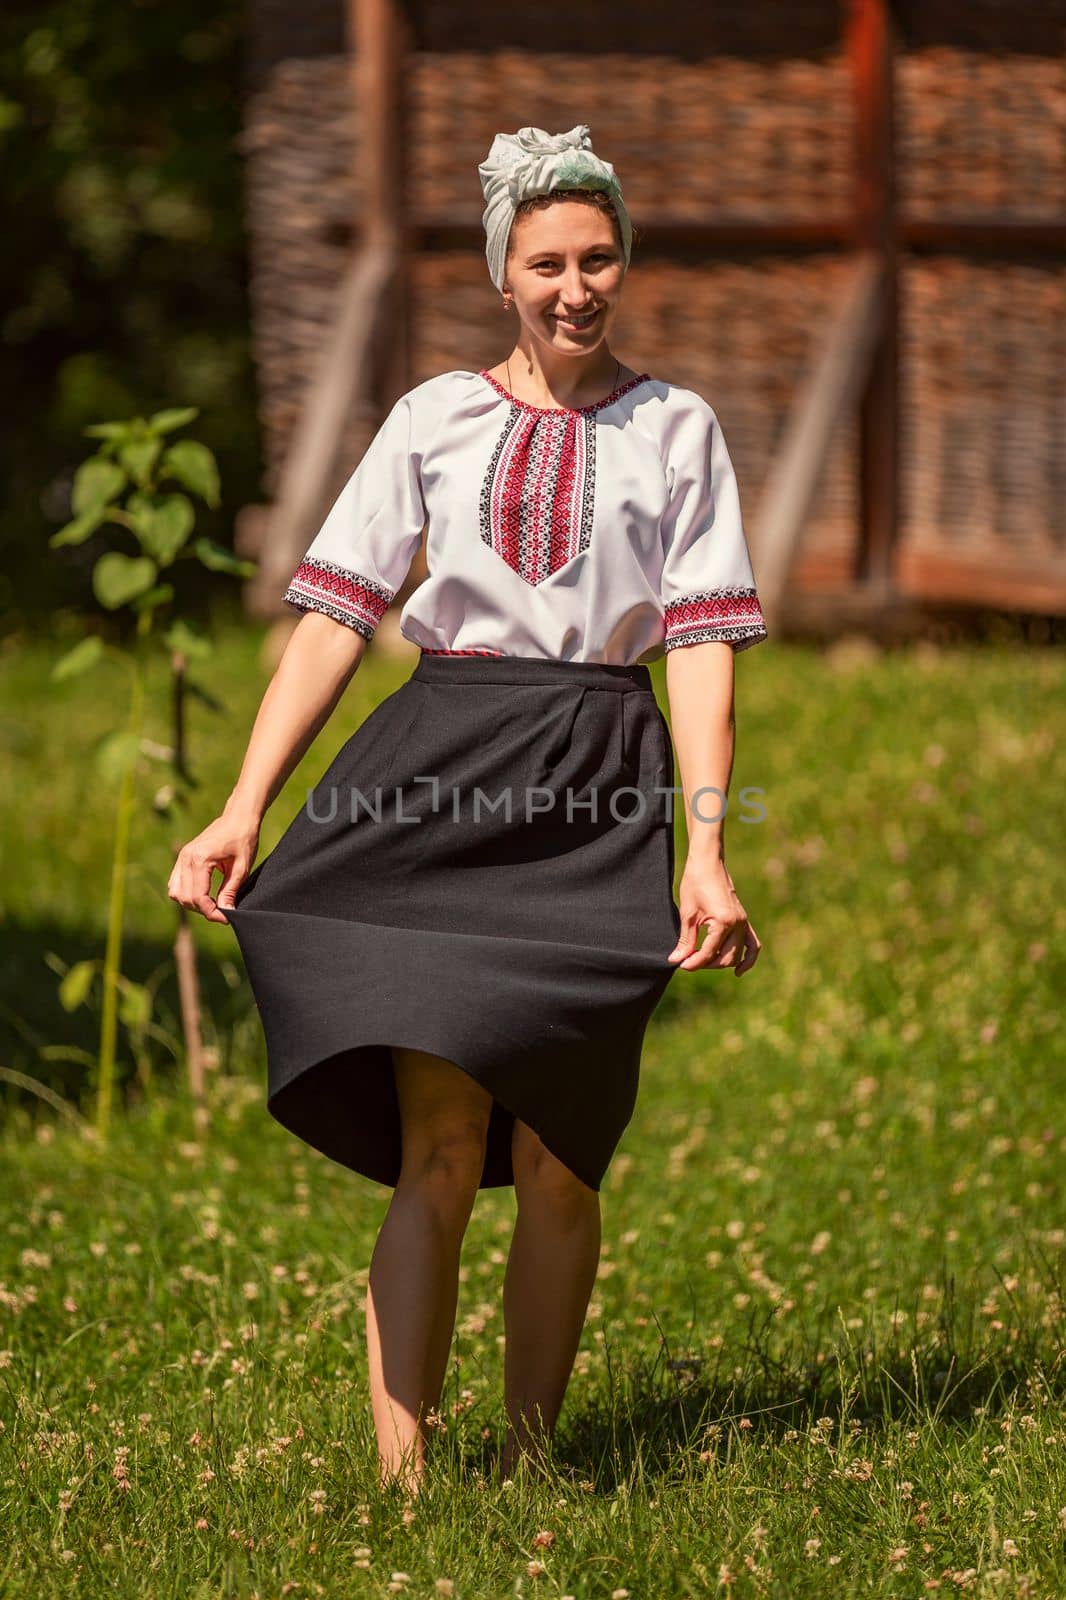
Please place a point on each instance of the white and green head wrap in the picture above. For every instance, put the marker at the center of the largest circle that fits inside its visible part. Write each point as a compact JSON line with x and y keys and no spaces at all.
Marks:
{"x":531,"y":162}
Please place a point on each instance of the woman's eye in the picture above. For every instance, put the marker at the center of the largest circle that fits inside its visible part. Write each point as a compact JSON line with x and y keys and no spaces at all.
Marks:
{"x":597,"y":257}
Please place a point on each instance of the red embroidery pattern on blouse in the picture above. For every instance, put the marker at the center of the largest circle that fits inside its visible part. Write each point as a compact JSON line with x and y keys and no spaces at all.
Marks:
{"x":536,"y":502}
{"x":732,"y":614}
{"x":339,"y":593}
{"x":427,"y":652}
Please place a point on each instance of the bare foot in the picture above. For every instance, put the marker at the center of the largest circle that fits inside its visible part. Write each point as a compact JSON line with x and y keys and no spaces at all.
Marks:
{"x":410,"y":1481}
{"x":529,"y":1462}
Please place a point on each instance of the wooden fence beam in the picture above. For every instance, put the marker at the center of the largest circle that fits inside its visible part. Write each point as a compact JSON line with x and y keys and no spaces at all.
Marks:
{"x":962,"y":231}
{"x":340,"y":384}
{"x":870,"y":50}
{"x":822,"y":403}
{"x":358,"y":359}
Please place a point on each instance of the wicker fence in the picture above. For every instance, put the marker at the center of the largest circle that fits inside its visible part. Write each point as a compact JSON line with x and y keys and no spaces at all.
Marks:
{"x":982,"y":340}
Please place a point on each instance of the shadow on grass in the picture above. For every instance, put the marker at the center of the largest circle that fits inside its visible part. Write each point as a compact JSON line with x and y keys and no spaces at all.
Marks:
{"x":658,"y":1409}
{"x":32,"y":1018}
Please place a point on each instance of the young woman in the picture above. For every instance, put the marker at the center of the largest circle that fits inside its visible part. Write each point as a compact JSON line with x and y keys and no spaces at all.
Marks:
{"x":457,"y":944}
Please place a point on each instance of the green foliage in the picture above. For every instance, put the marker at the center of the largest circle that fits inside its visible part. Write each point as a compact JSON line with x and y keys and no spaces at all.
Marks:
{"x":191,"y":641}
{"x":85,"y":654}
{"x":123,"y":273}
{"x":122,"y":484}
{"x":194,"y":466}
{"x":76,"y":984}
{"x":133,"y":459}
{"x":95,"y":483}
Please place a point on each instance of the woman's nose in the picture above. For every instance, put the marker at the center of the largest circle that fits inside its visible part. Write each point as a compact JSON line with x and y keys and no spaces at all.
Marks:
{"x":575,"y":291}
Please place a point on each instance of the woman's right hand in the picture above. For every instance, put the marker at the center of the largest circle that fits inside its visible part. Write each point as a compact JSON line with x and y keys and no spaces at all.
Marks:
{"x":230,"y":844}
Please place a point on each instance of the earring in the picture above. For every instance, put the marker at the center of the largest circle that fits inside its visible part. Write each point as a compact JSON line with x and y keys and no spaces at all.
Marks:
{"x":507,"y":304}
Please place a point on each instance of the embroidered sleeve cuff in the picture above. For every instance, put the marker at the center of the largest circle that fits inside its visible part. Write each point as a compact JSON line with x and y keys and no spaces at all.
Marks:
{"x":339,"y":593}
{"x":732,"y":614}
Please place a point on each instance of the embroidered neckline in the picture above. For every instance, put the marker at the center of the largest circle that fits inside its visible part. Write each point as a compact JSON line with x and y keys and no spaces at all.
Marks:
{"x":563,"y":411}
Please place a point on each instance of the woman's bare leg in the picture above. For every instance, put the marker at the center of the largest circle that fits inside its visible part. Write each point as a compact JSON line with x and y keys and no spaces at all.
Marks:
{"x":413,"y":1287}
{"x":551,"y":1268}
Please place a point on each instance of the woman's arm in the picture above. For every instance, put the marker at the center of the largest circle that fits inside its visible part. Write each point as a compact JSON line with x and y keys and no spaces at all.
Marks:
{"x":700,"y":682}
{"x":319,"y":660}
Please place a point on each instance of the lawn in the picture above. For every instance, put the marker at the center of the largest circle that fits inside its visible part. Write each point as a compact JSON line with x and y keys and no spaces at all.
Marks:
{"x":824,"y":1355}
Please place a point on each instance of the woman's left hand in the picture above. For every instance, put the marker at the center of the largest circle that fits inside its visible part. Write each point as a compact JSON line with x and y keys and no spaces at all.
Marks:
{"x":708,"y":899}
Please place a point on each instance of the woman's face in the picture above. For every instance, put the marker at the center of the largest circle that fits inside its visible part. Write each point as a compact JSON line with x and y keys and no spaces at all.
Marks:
{"x":564,"y":262}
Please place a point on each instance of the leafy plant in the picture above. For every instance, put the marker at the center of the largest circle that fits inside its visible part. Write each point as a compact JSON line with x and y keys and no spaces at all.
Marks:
{"x":128,"y":482}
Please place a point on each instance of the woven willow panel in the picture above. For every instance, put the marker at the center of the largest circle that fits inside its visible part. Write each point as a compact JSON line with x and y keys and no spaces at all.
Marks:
{"x":748,"y":138}
{"x":983,"y":446}
{"x":981,"y":133}
{"x":983,"y":359}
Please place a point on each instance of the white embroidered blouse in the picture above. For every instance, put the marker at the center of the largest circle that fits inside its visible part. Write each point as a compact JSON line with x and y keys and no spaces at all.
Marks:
{"x":611,"y":532}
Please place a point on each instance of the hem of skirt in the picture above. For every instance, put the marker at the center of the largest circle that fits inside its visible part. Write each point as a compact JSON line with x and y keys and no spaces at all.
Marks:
{"x":330,"y":1074}
{"x":382,"y":1166}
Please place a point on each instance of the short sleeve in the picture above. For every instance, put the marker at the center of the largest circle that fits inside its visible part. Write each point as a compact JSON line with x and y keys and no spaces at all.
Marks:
{"x":708,"y":587}
{"x":364,"y":549}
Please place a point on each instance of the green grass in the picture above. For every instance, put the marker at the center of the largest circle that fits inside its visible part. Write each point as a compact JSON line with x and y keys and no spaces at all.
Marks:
{"x":824,"y":1355}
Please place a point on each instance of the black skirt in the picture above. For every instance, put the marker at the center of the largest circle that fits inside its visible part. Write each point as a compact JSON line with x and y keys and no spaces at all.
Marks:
{"x":485,"y":872}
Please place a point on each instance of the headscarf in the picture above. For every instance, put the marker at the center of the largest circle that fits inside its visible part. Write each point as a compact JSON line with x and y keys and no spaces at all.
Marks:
{"x":531,"y":162}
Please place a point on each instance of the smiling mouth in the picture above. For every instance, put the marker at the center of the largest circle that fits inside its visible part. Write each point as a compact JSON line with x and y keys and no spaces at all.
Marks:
{"x":579,"y":322}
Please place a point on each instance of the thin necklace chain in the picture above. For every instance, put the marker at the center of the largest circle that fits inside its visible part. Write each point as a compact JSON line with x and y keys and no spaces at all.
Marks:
{"x":617,"y":370}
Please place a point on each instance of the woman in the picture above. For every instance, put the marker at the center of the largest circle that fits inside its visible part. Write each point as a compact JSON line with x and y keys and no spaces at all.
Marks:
{"x":456,"y":946}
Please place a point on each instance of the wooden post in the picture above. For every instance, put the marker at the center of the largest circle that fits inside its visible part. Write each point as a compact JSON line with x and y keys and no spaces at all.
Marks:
{"x":356,"y":365}
{"x":379,"y":37}
{"x":870,"y":50}
{"x":825,"y":400}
